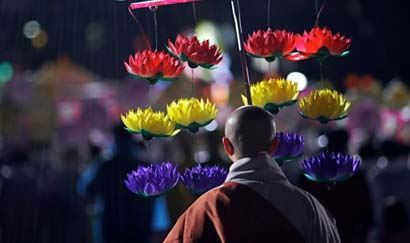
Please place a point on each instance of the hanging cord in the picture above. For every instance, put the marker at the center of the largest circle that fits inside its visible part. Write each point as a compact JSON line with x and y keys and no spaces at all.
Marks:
{"x":269,"y":4}
{"x":193,"y":82}
{"x":242,"y":55}
{"x":194,"y":12}
{"x":196,"y":24}
{"x":319,"y":11}
{"x":154,"y":11}
{"x":145,"y":36}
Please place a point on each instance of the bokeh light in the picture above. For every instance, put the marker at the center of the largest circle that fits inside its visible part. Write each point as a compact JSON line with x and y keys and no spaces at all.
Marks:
{"x":31,"y":29}
{"x":40,"y":40}
{"x":94,"y":36}
{"x":211,"y":126}
{"x":207,"y":30}
{"x":6,"y":72}
{"x":322,"y":141}
{"x":299,"y":78}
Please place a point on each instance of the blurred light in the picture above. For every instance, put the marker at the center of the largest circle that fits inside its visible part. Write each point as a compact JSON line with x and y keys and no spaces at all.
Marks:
{"x":6,"y":72}
{"x":207,"y":30}
{"x":382,"y":162}
{"x":211,"y":126}
{"x":31,"y":29}
{"x":94,"y":35}
{"x":94,"y":90}
{"x":299,"y":78}
{"x":97,"y":137}
{"x":68,"y":112}
{"x":107,"y":154}
{"x":262,"y":66}
{"x":6,"y":172}
{"x":220,"y":93}
{"x":202,"y":157}
{"x":40,"y":40}
{"x":322,"y":141}
{"x":405,"y":113}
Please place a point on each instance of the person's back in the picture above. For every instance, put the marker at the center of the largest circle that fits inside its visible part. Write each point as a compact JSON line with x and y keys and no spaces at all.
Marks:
{"x":256,"y":203}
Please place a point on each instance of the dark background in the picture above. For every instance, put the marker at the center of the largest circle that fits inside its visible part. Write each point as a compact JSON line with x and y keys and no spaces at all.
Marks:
{"x":378,"y":29}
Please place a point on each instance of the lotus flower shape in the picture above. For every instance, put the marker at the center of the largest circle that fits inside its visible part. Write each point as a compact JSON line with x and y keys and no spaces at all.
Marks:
{"x":273,"y":94}
{"x":290,"y":147}
{"x":194,"y":52}
{"x":324,"y":105}
{"x":200,"y":179}
{"x":320,"y":43}
{"x":330,"y":167}
{"x":152,"y":180}
{"x":149,"y":123}
{"x":191,"y":113}
{"x":270,"y":44}
{"x":154,"y":65}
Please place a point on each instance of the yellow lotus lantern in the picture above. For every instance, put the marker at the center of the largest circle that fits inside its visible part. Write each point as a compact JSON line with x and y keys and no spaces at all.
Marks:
{"x":273,"y":94}
{"x":149,"y":123}
{"x":324,"y":105}
{"x":191,"y":113}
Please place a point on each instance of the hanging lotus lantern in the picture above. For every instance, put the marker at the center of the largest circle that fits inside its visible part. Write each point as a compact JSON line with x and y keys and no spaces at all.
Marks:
{"x":152,"y":180}
{"x":154,"y":66}
{"x":200,"y":179}
{"x":191,"y":113}
{"x":328,"y":167}
{"x":320,"y":43}
{"x":289,"y":148}
{"x":273,"y":94}
{"x":149,"y":123}
{"x":324,"y":105}
{"x":195,"y":52}
{"x":270,"y":44}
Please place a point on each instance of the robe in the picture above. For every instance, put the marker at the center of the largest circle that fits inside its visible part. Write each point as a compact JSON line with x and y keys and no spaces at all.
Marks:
{"x":256,"y":204}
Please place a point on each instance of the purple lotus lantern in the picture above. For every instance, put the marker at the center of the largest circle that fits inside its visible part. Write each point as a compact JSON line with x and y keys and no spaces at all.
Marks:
{"x":290,"y":147}
{"x":152,"y":180}
{"x":329,"y":167}
{"x":200,"y":179}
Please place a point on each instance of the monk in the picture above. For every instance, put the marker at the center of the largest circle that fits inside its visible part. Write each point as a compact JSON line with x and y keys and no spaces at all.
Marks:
{"x":256,"y":203}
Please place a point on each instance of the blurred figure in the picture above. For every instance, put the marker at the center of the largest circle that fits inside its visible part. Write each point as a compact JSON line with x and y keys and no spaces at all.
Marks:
{"x":349,"y":201}
{"x":390,"y":176}
{"x":395,"y":222}
{"x":123,"y":216}
{"x":21,"y":207}
{"x":65,"y":210}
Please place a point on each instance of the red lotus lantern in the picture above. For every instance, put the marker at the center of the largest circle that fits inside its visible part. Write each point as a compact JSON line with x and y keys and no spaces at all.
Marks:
{"x":194,"y":52}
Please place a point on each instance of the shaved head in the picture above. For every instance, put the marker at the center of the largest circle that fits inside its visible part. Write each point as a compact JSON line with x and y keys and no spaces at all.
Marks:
{"x":250,"y":130}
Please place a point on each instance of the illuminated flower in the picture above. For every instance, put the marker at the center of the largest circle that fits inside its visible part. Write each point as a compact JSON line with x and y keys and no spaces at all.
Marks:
{"x":320,"y":43}
{"x":152,"y":180}
{"x":194,"y":52}
{"x":200,"y":179}
{"x":324,"y":105}
{"x":154,"y":65}
{"x":330,"y":167}
{"x":273,"y":94}
{"x":191,"y":113}
{"x":149,"y":123}
{"x":270,"y":44}
{"x":290,"y":147}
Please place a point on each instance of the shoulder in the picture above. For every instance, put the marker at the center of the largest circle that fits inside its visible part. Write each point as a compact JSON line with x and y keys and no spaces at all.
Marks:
{"x":215,"y":201}
{"x":323,"y":225}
